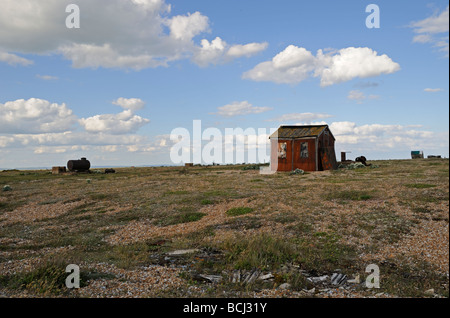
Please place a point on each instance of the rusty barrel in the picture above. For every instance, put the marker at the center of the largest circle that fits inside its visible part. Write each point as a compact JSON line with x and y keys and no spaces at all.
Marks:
{"x":78,"y":165}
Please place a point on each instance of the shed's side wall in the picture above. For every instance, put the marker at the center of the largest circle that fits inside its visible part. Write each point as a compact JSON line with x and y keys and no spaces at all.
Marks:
{"x":296,"y":161}
{"x":327,"y":155}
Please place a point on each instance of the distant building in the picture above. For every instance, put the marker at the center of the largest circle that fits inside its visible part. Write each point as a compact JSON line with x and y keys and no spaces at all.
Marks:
{"x":58,"y":170}
{"x":416,"y":154}
{"x":309,"y":147}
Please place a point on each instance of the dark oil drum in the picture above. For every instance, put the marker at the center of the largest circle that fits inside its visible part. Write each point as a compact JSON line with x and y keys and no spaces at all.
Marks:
{"x":78,"y":165}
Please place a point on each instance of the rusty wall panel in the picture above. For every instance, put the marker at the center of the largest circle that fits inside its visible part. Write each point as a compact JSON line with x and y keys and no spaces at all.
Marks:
{"x":326,"y":139}
{"x":306,"y":164}
{"x":328,"y":158}
{"x":284,"y":164}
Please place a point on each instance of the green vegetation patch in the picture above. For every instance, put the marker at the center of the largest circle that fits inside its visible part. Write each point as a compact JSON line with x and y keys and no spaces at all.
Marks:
{"x":177,"y":192}
{"x":239,"y":211}
{"x":206,"y":202}
{"x":48,"y":279}
{"x":183,"y":216}
{"x":261,"y":251}
{"x":320,"y":252}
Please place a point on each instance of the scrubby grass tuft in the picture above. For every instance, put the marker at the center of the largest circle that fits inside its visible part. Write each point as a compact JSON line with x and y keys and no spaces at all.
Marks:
{"x":48,"y":279}
{"x":239,"y":211}
{"x":177,"y":218}
{"x":261,"y":251}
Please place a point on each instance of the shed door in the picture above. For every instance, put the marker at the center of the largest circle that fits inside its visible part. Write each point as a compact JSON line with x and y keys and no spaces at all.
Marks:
{"x":304,"y":154}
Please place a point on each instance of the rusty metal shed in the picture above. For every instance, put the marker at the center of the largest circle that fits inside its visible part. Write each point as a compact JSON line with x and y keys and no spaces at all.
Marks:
{"x":306,"y":147}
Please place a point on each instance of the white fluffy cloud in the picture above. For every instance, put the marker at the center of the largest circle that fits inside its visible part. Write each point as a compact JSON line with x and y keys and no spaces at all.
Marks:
{"x":433,"y":29}
{"x":35,"y":116}
{"x":359,"y":96}
{"x":209,"y":52}
{"x":40,"y":25}
{"x":47,"y":77}
{"x":247,"y":50}
{"x":122,"y":123}
{"x":218,"y":51}
{"x":352,"y":63}
{"x":38,"y":116}
{"x":296,"y":64}
{"x":13,"y":59}
{"x":51,"y":128}
{"x":356,"y":95}
{"x":38,"y":133}
{"x":99,"y":146}
{"x":240,"y":108}
{"x":95,"y":56}
{"x":437,"y":23}
{"x":130,"y":103}
{"x":75,"y":139}
{"x":292,"y":57}
{"x":125,"y":34}
{"x":292,"y":65}
{"x":433,"y":90}
{"x":385,"y":138}
{"x":184,"y":28}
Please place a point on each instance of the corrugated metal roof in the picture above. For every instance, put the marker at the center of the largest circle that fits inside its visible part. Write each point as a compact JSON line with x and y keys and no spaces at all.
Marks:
{"x":298,"y":131}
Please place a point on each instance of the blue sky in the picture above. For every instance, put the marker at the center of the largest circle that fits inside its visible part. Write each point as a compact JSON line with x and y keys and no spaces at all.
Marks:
{"x":114,"y":89}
